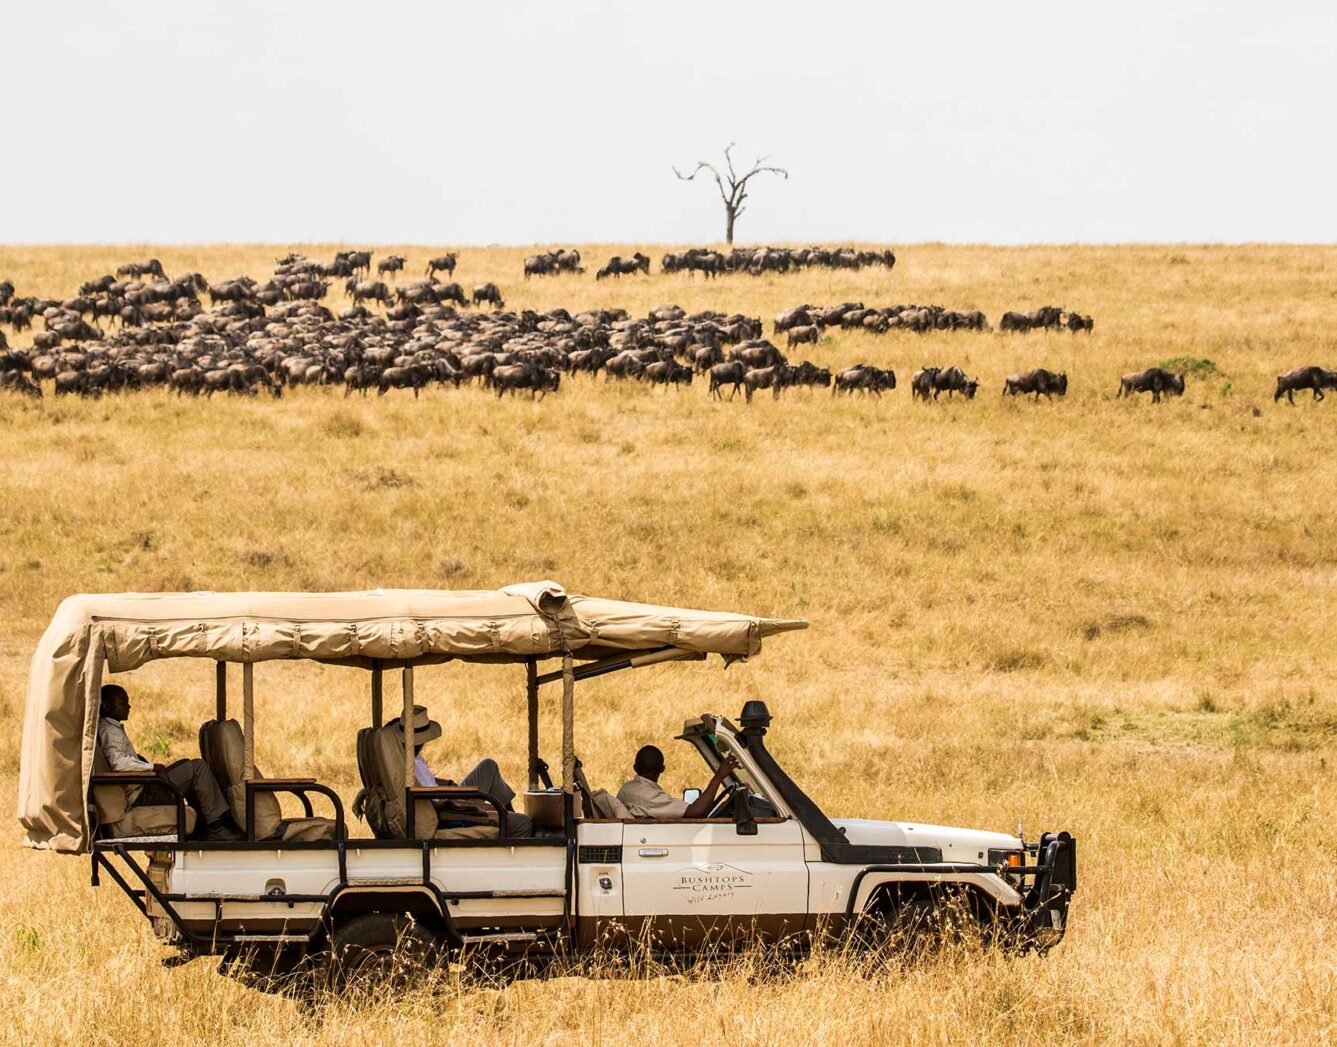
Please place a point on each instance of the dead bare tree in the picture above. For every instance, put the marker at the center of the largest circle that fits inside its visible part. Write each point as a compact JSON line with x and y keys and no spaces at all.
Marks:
{"x":732,"y":186}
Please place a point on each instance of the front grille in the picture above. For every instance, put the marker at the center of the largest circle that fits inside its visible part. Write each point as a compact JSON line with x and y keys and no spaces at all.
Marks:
{"x":600,"y":856}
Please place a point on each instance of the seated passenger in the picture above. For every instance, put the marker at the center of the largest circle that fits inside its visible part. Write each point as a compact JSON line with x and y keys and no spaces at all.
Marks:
{"x":485,"y":777}
{"x":192,"y":777}
{"x":645,"y":799}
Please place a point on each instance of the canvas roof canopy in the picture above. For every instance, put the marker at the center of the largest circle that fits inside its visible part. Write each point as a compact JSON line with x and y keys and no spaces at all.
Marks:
{"x":93,"y":634}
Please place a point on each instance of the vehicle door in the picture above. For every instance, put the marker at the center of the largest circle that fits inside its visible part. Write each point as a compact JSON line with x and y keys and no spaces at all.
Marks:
{"x":688,"y":881}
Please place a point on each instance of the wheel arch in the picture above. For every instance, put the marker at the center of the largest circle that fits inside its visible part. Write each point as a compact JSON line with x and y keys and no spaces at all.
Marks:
{"x":423,"y":903}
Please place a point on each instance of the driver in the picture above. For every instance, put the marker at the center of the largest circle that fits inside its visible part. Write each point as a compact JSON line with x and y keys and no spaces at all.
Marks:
{"x":645,"y":799}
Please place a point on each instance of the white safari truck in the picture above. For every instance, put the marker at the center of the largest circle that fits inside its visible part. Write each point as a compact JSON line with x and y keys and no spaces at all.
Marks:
{"x":766,"y":863}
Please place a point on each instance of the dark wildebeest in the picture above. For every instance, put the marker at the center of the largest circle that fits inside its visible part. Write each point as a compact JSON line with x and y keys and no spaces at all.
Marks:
{"x":761,"y":354}
{"x":953,"y":380}
{"x":921,"y":383}
{"x":20,"y":382}
{"x":1315,"y":378}
{"x":488,"y":293}
{"x":864,"y":377}
{"x":540,"y":265}
{"x":731,"y":373}
{"x":151,"y":267}
{"x":1154,"y":380}
{"x":1038,"y":382}
{"x":666,"y":372}
{"x":414,"y":377}
{"x":451,"y":292}
{"x":442,"y":264}
{"x":773,"y":378}
{"x":362,"y":290}
{"x":390,"y":264}
{"x":1014,"y":322}
{"x":706,"y":357}
{"x":538,"y":380}
{"x":1077,"y":323}
{"x":809,"y":333}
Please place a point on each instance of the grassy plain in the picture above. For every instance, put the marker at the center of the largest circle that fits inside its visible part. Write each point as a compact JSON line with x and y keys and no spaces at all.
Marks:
{"x":1099,"y":615}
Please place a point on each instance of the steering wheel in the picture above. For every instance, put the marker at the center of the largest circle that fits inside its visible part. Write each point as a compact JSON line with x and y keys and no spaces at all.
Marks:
{"x":724,"y":802}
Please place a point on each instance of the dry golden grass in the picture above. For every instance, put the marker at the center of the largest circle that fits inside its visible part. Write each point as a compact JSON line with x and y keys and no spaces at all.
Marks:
{"x":1104,"y":616}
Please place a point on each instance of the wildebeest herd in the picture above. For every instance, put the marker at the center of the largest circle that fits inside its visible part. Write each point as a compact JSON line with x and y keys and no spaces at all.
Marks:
{"x":757,"y":261}
{"x":156,"y":331}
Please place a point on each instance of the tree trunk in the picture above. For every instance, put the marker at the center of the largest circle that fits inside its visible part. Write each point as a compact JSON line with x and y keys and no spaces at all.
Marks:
{"x":729,"y":216}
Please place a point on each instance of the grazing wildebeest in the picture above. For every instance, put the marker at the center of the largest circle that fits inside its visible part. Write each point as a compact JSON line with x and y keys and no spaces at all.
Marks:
{"x":540,"y":265}
{"x":151,"y":267}
{"x":1154,"y":380}
{"x":808,"y":373}
{"x":20,"y":382}
{"x":865,"y":377}
{"x":809,"y":333}
{"x":1040,"y":382}
{"x":390,"y":264}
{"x":1077,"y":323}
{"x":538,"y":380}
{"x":1315,"y":378}
{"x":414,"y":377}
{"x":731,"y":373}
{"x":488,"y":293}
{"x":362,"y":290}
{"x":773,"y":378}
{"x":619,"y":266}
{"x":666,"y":372}
{"x":952,"y":380}
{"x":442,"y":264}
{"x":451,"y":292}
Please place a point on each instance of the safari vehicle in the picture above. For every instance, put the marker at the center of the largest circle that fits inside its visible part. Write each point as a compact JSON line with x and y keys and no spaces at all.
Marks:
{"x":766,"y":863}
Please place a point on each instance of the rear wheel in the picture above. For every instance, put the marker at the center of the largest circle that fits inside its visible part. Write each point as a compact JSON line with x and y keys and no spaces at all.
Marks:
{"x":381,"y":948}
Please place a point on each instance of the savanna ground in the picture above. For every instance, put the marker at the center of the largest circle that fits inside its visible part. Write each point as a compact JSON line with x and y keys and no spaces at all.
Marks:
{"x":1099,"y":615}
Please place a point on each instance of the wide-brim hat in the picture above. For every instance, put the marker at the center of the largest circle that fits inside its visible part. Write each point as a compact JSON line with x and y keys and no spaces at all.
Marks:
{"x":425,"y":729}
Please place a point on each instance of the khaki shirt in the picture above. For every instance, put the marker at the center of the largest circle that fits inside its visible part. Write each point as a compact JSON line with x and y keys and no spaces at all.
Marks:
{"x":116,"y":748}
{"x":645,"y":799}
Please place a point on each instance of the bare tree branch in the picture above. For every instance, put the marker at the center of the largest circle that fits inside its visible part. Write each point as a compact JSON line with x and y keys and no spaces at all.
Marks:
{"x":736,"y":191}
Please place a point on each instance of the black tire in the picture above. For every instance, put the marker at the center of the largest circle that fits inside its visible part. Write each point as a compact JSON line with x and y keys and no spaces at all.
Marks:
{"x":381,"y":948}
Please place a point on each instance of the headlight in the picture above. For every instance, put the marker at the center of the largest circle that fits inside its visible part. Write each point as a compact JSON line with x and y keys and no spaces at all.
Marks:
{"x":1002,"y":856}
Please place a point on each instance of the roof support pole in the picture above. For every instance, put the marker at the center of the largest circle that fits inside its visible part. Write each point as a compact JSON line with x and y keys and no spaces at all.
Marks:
{"x":377,"y":694}
{"x":568,"y":724}
{"x":248,"y":720}
{"x":409,"y":732}
{"x":220,"y":691}
{"x":532,"y":700}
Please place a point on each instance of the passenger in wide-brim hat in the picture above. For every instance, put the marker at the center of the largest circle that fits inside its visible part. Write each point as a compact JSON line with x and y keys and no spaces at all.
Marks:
{"x":486,"y":777}
{"x":425,"y":729}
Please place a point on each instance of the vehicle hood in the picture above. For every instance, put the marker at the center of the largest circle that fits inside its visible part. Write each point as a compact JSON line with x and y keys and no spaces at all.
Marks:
{"x":957,"y":845}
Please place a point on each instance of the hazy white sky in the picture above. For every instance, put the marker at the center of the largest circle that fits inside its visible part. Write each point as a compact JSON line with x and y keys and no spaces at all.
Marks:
{"x":487,"y":122}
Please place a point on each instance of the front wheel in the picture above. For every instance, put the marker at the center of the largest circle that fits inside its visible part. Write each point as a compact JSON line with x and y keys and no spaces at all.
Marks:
{"x":381,"y":948}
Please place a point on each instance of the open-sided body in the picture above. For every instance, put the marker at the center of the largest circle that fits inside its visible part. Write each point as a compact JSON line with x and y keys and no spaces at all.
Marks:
{"x":765,"y":863}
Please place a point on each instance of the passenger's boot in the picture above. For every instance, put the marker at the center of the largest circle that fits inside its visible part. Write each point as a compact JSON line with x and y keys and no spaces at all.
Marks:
{"x":223,"y":831}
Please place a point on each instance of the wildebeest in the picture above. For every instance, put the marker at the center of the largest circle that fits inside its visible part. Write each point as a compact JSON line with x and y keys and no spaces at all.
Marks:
{"x":863,"y":377}
{"x":666,"y":372}
{"x":362,"y":290}
{"x":442,"y":264}
{"x":774,"y":378}
{"x":731,"y":373}
{"x":619,"y":266}
{"x":20,"y":382}
{"x":930,"y":381}
{"x":538,"y":380}
{"x":390,"y":264}
{"x":414,"y":377}
{"x":1040,"y":382}
{"x":1154,"y":380}
{"x":809,"y":333}
{"x":1077,"y":323}
{"x":488,"y":293}
{"x":1315,"y":378}
{"x":151,"y":267}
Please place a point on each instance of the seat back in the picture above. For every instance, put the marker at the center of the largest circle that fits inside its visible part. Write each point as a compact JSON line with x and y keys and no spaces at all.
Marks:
{"x":222,"y":747}
{"x":109,"y":801}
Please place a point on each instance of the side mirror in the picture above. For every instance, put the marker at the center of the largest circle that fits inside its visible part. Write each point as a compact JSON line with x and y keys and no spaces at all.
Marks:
{"x":742,"y":812}
{"x":690,"y":796}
